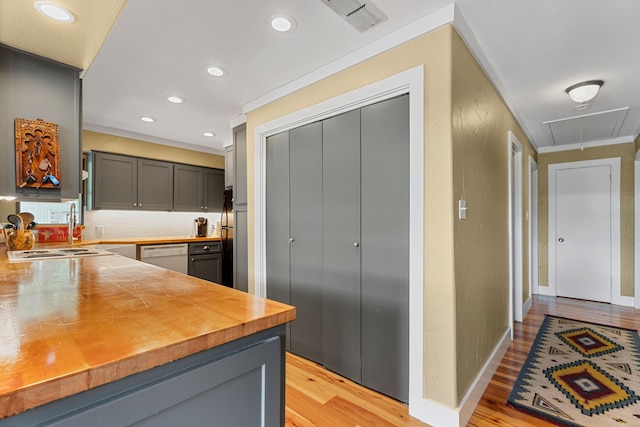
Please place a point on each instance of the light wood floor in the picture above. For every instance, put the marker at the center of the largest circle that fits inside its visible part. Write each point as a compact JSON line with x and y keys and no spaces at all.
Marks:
{"x":316,"y":397}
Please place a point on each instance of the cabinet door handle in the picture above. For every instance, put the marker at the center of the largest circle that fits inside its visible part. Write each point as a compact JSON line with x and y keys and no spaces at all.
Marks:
{"x":193,"y":260}
{"x":356,"y":244}
{"x":290,"y":239}
{"x":140,"y":205}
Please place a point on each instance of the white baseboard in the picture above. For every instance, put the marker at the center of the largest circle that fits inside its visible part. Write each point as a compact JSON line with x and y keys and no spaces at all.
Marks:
{"x":526,"y":307}
{"x":624,"y":301}
{"x":438,"y":415}
{"x":543,"y":290}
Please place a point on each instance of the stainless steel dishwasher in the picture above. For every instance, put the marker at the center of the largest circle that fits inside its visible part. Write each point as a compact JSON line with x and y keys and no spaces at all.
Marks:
{"x":171,"y":256}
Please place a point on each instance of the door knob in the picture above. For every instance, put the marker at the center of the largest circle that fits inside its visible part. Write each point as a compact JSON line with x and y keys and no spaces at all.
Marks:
{"x":356,"y":244}
{"x":291,"y":240}
{"x":561,"y":240}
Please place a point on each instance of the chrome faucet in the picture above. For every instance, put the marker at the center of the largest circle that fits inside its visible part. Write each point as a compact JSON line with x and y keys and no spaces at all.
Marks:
{"x":72,"y":222}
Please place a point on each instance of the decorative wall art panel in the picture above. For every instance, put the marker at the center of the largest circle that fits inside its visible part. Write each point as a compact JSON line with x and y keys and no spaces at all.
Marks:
{"x":37,"y":154}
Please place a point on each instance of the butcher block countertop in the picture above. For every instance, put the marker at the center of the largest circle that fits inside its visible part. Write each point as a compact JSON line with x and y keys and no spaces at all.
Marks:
{"x":69,"y":325}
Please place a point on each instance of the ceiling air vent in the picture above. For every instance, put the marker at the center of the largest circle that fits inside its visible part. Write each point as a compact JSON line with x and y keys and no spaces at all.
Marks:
{"x":360,"y":14}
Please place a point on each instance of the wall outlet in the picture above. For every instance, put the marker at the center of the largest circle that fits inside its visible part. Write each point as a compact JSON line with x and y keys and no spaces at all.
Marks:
{"x":100,"y":230}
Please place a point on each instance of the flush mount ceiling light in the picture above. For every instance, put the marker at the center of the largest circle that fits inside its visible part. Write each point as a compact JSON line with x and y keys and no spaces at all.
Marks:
{"x":147,"y":119}
{"x":216,"y":71}
{"x":174,"y":99}
{"x":282,"y":23}
{"x":54,"y":11}
{"x":585,"y":91}
{"x":209,"y":134}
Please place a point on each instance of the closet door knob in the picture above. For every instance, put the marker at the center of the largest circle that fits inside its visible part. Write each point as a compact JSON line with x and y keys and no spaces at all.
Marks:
{"x":290,"y":239}
{"x":356,"y":244}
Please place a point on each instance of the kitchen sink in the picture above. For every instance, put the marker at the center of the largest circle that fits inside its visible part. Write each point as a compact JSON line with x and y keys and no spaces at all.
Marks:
{"x":40,"y":254}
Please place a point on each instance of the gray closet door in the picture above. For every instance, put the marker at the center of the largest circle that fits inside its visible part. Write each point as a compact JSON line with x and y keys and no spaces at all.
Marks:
{"x":305,"y":204}
{"x":277,"y":221}
{"x":385,"y":247}
{"x":341,"y":241}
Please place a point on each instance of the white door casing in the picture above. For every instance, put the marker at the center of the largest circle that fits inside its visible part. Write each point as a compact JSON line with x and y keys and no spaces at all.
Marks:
{"x":515,"y":228}
{"x":584,"y":230}
{"x":533,"y":232}
{"x":636,"y":228}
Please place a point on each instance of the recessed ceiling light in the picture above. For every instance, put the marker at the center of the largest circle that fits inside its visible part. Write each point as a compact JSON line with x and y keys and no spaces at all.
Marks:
{"x":147,"y":119}
{"x":216,"y":71}
{"x":282,"y":23}
{"x":174,"y":99}
{"x":54,"y":11}
{"x":209,"y":134}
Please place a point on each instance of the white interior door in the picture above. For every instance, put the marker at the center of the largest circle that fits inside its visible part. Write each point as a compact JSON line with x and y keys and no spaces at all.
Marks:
{"x":583,"y":233}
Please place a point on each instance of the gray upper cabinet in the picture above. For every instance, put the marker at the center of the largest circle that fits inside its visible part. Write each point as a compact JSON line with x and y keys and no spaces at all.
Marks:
{"x":198,"y":189}
{"x":123,"y":182}
{"x":113,"y":182}
{"x":240,"y":158}
{"x":228,"y":166}
{"x":188,"y":187}
{"x":155,"y":185}
{"x":213,"y":189}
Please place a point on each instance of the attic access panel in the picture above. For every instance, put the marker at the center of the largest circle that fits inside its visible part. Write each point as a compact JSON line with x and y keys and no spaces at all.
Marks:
{"x":588,"y":127}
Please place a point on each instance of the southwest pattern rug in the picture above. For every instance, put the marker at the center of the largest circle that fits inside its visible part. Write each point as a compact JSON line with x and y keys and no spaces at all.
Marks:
{"x":581,"y":374}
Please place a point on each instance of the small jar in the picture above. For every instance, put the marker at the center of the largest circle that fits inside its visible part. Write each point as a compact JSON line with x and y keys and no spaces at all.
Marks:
{"x":20,"y":240}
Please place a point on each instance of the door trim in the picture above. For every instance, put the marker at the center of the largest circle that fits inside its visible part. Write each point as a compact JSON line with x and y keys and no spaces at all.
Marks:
{"x":515,"y":229}
{"x":410,"y":81}
{"x":614,"y":163}
{"x":636,"y":222}
{"x":533,"y":231}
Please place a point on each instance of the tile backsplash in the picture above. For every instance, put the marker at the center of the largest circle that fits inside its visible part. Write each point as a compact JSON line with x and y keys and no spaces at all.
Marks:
{"x":106,"y":224}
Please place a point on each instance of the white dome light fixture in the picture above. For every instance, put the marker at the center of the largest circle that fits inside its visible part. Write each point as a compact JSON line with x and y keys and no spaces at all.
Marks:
{"x":585,"y":91}
{"x":216,"y":71}
{"x":282,"y":23}
{"x":54,"y":11}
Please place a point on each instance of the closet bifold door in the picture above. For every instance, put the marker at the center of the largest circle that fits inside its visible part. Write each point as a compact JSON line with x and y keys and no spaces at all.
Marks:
{"x":385,"y":247}
{"x":341,"y":241}
{"x":277,"y":220}
{"x":305,"y":227}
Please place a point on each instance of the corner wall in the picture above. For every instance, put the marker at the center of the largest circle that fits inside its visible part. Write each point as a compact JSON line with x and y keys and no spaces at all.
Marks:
{"x":481,"y":156}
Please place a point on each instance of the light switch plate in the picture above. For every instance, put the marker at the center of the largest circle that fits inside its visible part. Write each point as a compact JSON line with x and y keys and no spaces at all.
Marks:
{"x":462,"y":209}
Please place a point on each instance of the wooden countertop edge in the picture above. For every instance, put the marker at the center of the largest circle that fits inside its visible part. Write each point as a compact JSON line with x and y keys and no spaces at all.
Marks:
{"x":23,"y":399}
{"x":132,"y":241}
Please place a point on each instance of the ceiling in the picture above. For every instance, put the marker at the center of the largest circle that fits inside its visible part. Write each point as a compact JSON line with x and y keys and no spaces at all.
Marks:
{"x":531,"y":51}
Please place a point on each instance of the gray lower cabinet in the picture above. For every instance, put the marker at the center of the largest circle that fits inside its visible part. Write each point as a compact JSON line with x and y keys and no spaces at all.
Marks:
{"x":205,"y":261}
{"x":237,"y":384}
{"x":337,"y":241}
{"x":124,"y":182}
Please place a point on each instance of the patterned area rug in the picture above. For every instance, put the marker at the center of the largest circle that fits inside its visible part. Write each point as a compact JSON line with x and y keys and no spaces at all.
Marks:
{"x":581,"y":374}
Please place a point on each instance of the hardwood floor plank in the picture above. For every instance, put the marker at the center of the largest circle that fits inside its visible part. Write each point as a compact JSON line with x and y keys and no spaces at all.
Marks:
{"x":317,"y":397}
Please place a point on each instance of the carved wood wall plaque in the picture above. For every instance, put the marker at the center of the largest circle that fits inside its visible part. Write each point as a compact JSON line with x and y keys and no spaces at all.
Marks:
{"x":37,"y":154}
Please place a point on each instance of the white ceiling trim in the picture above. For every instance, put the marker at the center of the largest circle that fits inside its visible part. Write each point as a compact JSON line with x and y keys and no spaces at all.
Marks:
{"x":429,"y":23}
{"x":590,"y":144}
